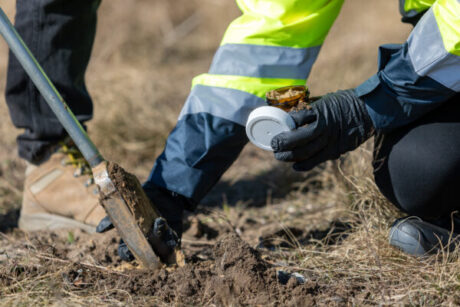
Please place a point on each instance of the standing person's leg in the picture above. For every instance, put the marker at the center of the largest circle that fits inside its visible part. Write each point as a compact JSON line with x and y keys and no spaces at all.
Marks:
{"x":58,"y":191}
{"x":60,"y":33}
{"x":418,"y":169}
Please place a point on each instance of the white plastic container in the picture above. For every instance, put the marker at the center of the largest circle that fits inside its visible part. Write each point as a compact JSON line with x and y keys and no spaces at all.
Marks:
{"x":266,"y":122}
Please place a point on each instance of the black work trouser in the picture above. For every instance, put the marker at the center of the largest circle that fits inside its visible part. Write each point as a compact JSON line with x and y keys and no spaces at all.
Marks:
{"x":418,"y":167}
{"x":60,"y":33}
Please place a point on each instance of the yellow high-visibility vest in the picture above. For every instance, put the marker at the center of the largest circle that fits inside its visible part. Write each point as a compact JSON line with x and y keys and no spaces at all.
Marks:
{"x":274,"y":43}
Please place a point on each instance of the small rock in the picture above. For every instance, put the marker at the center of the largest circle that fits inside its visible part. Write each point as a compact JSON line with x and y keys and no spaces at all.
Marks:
{"x":284,"y":277}
{"x":300,"y":278}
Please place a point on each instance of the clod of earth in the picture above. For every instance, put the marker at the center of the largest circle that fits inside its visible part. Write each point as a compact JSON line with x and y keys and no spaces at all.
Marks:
{"x":130,"y":188}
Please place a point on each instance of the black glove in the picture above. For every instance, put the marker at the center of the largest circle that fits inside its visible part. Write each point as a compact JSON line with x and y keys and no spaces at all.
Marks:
{"x":166,"y":231}
{"x":336,"y":123}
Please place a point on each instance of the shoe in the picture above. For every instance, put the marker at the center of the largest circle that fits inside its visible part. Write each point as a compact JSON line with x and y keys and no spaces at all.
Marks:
{"x":450,"y":222}
{"x":60,"y":193}
{"x":417,"y":237}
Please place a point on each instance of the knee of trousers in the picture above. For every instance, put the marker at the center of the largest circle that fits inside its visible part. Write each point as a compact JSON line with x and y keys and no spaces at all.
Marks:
{"x":417,"y":167}
{"x":425,"y":188}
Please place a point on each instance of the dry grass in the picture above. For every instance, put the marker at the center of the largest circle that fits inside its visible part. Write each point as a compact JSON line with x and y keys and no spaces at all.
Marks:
{"x":145,"y":55}
{"x":366,"y":262}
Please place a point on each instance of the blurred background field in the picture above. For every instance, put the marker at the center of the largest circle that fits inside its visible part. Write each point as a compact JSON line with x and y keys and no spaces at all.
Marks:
{"x":145,"y":55}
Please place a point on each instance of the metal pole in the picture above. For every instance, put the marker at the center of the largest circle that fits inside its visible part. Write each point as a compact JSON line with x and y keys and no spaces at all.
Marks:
{"x":49,"y":92}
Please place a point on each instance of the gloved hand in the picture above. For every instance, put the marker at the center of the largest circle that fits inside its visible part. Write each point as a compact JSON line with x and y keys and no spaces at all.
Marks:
{"x":337,"y":122}
{"x":166,"y":231}
{"x":162,"y":238}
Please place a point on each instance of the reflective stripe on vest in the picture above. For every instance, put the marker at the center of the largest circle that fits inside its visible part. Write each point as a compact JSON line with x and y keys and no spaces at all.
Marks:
{"x":264,"y":61}
{"x":230,"y":104}
{"x":434,"y":45}
{"x":231,"y":97}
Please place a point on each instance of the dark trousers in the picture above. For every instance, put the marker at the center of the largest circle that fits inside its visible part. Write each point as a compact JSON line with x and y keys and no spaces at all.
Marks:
{"x":418,"y":167}
{"x":60,"y":33}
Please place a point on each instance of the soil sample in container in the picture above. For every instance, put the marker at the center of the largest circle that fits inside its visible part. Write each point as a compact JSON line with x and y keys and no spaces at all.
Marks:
{"x":289,"y":98}
{"x":268,"y":121}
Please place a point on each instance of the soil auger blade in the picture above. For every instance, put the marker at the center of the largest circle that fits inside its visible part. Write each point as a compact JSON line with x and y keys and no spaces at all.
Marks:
{"x":128,"y":215}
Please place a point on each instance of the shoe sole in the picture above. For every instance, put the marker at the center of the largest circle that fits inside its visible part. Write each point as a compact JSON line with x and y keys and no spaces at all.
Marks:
{"x":44,"y":221}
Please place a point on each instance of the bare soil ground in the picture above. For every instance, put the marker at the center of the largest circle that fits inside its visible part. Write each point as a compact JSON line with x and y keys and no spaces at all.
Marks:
{"x":261,"y":223}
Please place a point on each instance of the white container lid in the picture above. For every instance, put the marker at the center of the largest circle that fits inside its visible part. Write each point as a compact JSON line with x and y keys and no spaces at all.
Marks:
{"x":266,"y":122}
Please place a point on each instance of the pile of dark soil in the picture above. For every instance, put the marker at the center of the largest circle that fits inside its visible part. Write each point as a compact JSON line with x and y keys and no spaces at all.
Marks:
{"x":235,"y":275}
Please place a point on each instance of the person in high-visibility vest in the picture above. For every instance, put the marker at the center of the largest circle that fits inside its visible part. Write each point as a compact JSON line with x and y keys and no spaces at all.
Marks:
{"x":411,"y":104}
